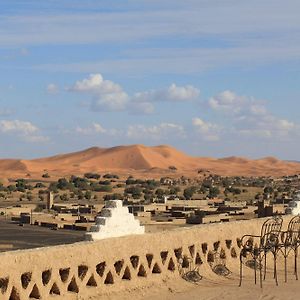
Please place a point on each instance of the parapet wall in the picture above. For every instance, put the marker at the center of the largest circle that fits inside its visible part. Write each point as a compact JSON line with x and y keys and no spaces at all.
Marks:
{"x":89,"y":269}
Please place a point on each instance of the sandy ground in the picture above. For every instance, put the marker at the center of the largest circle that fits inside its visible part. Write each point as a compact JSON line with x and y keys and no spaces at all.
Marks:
{"x":216,"y":288}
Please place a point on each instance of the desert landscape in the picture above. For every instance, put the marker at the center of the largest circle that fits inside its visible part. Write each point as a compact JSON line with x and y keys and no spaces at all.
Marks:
{"x":149,"y":150}
{"x":144,"y":160}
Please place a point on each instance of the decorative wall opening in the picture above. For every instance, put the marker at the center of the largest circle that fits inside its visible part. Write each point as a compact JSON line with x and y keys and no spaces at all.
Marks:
{"x":142,"y":271}
{"x":192,"y":250}
{"x":100,"y":268}
{"x":46,"y":276}
{"x":73,"y":287}
{"x":204,"y":248}
{"x":178,"y":253}
{"x":64,"y":274}
{"x":228,"y":243}
{"x":233,"y":253}
{"x":92,"y":281}
{"x":4,"y":284}
{"x":216,"y":245}
{"x":82,"y":271}
{"x":210,"y":257}
{"x":35,"y":293}
{"x":54,"y":290}
{"x":164,"y":255}
{"x":198,"y":260}
{"x":14,"y":295}
{"x":25,"y":279}
{"x":156,"y":269}
{"x":109,"y":278}
{"x":171,"y":265}
{"x":134,"y":261}
{"x":149,"y":259}
{"x":127,"y":275}
{"x":118,"y":266}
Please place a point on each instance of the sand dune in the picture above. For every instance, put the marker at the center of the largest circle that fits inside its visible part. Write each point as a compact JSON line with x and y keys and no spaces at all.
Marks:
{"x":138,"y":158}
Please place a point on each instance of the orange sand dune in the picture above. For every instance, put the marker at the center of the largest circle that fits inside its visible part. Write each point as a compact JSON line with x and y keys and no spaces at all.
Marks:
{"x":139,"y":158}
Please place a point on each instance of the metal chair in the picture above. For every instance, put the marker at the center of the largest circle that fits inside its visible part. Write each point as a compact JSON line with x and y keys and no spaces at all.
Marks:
{"x":290,"y":241}
{"x":258,"y":246}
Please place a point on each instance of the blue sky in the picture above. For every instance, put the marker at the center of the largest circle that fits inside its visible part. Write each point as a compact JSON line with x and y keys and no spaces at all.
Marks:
{"x":210,"y":77}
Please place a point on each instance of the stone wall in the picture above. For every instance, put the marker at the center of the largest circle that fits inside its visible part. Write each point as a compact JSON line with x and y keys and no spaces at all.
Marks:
{"x":87,"y":269}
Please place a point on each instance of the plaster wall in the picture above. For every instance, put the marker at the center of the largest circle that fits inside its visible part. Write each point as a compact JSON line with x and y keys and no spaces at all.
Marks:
{"x":89,"y":269}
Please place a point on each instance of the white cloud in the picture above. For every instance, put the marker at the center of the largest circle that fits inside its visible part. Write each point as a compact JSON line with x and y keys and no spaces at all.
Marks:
{"x":17,"y":126}
{"x":95,"y":129}
{"x":250,"y":117}
{"x":207,"y":130}
{"x":171,"y":93}
{"x":137,"y":107}
{"x":156,"y":132}
{"x":23,"y":129}
{"x":96,"y":84}
{"x":52,"y":89}
{"x":227,"y":101}
{"x":107,"y":95}
{"x":110,"y":96}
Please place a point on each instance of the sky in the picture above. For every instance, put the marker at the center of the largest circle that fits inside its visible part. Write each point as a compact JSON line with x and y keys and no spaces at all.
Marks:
{"x":210,"y":77}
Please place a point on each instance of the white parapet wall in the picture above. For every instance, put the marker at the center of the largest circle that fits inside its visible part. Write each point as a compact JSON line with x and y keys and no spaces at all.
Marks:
{"x":114,"y":221}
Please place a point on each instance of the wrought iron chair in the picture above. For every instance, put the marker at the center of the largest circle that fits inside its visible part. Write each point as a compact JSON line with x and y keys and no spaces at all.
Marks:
{"x":188,"y":270}
{"x":258,"y":246}
{"x":290,"y":241}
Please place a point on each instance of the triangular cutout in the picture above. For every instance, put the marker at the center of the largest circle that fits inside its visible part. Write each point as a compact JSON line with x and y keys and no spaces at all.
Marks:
{"x":73,"y":287}
{"x":109,"y":278}
{"x":118,"y":266}
{"x":54,"y":290}
{"x":142,"y":271}
{"x":198,"y":260}
{"x":156,"y":269}
{"x":46,"y":276}
{"x":233,"y":253}
{"x":222,"y":254}
{"x":91,"y":281}
{"x":82,"y":270}
{"x":178,"y":253}
{"x":149,"y":259}
{"x":185,"y":262}
{"x":64,"y":274}
{"x":100,"y":268}
{"x":35,"y":293}
{"x":171,"y":265}
{"x":192,"y":250}
{"x":127,"y":275}
{"x":4,"y":284}
{"x":134,"y":261}
{"x":14,"y":295}
{"x":164,"y":255}
{"x":25,"y":279}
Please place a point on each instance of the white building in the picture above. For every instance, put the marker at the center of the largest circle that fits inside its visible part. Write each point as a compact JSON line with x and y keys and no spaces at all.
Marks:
{"x":294,"y":206}
{"x":114,"y":221}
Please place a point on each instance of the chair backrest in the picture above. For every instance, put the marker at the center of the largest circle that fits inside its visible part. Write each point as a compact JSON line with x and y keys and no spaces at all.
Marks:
{"x":270,"y":231}
{"x":293,"y":231}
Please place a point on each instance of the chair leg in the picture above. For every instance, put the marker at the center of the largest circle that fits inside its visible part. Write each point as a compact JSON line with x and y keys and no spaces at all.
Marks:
{"x":260,"y":270}
{"x":275,"y":268}
{"x":265,"y":266}
{"x":255,"y":266}
{"x":285,"y":268}
{"x":296,"y":271}
{"x":241,"y":270}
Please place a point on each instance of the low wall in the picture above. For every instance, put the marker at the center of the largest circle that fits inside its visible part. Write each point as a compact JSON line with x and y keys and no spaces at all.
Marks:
{"x":88,"y":269}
